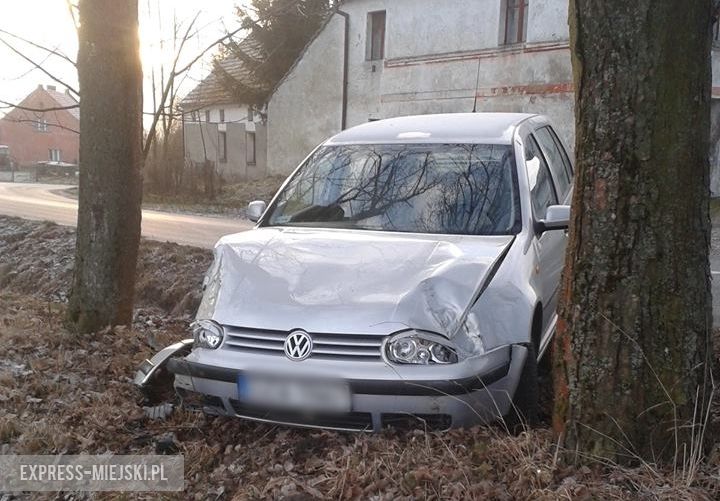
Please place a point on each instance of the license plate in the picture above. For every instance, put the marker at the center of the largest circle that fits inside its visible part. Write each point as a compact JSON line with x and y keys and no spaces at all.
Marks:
{"x":292,"y":394}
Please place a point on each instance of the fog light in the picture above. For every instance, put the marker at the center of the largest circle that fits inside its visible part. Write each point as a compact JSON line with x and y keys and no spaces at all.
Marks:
{"x":207,"y":334}
{"x":421,"y":348}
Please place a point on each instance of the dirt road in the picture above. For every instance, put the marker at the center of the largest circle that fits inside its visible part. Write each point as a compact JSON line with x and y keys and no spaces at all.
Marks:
{"x":42,"y":202}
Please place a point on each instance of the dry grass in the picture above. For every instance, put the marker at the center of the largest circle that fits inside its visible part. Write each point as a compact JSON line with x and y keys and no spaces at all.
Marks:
{"x":68,"y":394}
{"x":231,"y":200}
{"x":64,"y":394}
{"x":38,"y":258}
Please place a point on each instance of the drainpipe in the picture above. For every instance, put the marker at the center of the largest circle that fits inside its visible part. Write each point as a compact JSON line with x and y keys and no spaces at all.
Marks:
{"x":346,"y":51}
{"x":182,"y":117}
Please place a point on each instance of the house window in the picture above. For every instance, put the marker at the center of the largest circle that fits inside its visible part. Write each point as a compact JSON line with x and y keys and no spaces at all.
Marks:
{"x":222,"y":116}
{"x":207,"y":116}
{"x":222,"y":147}
{"x":250,"y":147}
{"x":55,"y":155}
{"x":41,"y":125}
{"x":515,"y":21}
{"x":376,"y":36}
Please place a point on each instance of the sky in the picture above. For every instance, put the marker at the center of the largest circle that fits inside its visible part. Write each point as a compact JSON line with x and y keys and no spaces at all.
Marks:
{"x":49,"y":23}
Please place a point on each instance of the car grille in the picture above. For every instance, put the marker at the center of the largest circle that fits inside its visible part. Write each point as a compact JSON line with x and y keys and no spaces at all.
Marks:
{"x":363,"y":347}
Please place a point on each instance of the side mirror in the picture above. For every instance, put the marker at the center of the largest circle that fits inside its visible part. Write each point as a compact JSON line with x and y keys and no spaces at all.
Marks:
{"x":255,"y":210}
{"x":557,"y":217}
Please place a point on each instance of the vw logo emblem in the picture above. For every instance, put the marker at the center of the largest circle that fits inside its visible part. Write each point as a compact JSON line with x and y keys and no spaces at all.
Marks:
{"x":298,"y":346}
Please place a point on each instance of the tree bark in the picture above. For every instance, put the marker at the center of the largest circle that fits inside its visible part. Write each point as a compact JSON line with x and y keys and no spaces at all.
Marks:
{"x":632,"y":351}
{"x":108,"y":235}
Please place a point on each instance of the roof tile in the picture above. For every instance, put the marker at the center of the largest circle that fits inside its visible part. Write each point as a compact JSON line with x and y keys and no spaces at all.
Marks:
{"x":211,"y":90}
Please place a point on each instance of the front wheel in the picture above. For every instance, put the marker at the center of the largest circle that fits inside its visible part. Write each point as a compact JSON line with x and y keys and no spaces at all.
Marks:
{"x":525,"y":403}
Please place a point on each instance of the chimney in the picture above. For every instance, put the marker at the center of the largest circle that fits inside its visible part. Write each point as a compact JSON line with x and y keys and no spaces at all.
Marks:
{"x":51,"y":87}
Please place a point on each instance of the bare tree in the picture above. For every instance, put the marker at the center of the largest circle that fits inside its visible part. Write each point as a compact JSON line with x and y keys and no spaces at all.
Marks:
{"x":632,"y":352}
{"x":11,"y":41}
{"x":112,"y":148}
{"x":165,"y":172}
{"x":5,"y":36}
{"x":165,"y":79}
{"x":111,"y":156}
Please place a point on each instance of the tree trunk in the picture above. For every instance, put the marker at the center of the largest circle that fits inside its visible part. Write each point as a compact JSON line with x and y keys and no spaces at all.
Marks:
{"x":632,"y":351}
{"x":108,"y":234}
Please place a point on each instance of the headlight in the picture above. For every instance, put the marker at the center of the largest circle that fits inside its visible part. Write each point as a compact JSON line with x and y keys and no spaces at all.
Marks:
{"x":422,"y":348}
{"x":207,"y":334}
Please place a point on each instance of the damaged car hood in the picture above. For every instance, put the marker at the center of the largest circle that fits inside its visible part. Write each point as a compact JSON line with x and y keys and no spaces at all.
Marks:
{"x":348,"y":281}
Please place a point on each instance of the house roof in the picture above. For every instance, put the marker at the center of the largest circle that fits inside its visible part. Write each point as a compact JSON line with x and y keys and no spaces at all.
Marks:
{"x":484,"y":128}
{"x":37,"y":99}
{"x":211,"y":90}
{"x":65,"y":99}
{"x":304,"y":50}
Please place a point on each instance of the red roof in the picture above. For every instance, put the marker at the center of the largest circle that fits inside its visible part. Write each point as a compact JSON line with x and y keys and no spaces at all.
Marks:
{"x":65,"y":99}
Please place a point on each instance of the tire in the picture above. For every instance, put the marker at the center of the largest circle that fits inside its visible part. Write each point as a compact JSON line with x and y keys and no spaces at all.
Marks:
{"x":525,"y":403}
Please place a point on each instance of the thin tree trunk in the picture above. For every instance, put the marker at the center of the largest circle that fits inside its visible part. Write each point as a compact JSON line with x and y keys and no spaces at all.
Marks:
{"x":633,"y":345}
{"x":110,"y":77}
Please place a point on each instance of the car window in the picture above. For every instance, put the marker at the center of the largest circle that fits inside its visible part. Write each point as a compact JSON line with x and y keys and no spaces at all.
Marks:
{"x":555,"y":160}
{"x":542,"y":193}
{"x":468,"y":189}
{"x":566,"y":159}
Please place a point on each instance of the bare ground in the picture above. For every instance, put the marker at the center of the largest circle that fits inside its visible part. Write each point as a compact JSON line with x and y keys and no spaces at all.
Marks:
{"x":37,"y":258}
{"x":63,"y":393}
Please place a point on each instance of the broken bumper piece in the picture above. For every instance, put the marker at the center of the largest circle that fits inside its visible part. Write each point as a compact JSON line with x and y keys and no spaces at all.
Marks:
{"x":150,"y":367}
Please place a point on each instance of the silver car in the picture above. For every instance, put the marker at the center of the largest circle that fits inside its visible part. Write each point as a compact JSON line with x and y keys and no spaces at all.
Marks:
{"x":408,"y":269}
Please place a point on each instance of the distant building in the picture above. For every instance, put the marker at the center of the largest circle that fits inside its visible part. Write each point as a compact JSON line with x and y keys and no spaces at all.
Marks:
{"x":34,"y":137}
{"x":377,"y":59}
{"x":219,"y":129}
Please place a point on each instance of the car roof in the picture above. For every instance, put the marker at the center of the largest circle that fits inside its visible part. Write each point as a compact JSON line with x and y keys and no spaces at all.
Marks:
{"x":484,"y":128}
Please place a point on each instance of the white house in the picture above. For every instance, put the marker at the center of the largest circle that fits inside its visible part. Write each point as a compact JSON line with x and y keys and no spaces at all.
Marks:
{"x":375,"y":59}
{"x":219,"y":129}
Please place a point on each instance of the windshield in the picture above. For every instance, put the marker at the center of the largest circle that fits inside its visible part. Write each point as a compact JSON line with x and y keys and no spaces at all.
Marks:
{"x":421,"y":188}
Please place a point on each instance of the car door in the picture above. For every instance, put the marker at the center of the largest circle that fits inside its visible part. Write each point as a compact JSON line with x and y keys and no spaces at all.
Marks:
{"x":549,"y":245}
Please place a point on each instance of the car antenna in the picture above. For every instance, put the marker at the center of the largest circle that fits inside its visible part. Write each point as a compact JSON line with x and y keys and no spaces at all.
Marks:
{"x":477,"y":84}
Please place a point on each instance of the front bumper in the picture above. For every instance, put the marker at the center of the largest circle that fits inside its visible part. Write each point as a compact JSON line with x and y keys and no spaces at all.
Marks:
{"x":383,"y":396}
